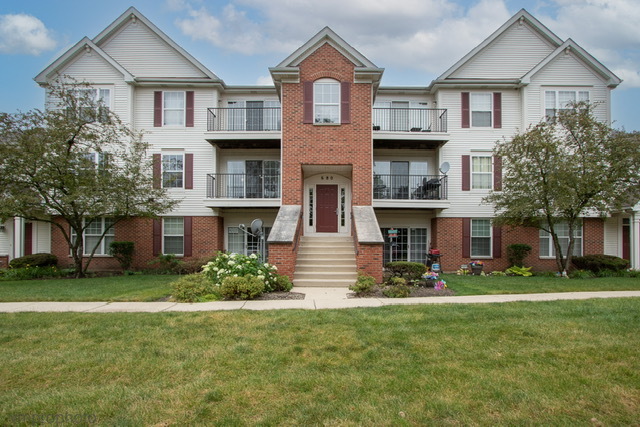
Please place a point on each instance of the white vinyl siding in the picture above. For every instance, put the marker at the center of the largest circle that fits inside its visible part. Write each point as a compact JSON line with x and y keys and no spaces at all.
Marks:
{"x":480,"y":238}
{"x":173,"y":235}
{"x":547,"y":248}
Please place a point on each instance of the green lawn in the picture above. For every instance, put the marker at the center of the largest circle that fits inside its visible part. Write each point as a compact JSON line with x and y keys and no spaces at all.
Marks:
{"x":545,"y":363}
{"x":490,"y":285}
{"x":116,"y":288}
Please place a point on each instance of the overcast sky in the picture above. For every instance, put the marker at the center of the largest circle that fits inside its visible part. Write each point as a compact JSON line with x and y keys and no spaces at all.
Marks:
{"x":414,"y":40}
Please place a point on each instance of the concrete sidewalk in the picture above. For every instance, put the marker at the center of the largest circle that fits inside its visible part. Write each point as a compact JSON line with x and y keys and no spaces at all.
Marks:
{"x":315,"y":299}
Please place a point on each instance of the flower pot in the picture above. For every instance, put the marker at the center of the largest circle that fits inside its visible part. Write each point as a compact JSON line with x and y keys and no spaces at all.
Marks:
{"x":476,"y":270}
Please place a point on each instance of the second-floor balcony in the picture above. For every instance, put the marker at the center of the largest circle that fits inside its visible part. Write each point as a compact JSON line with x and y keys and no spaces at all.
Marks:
{"x":409,"y":120}
{"x":243,"y":186}
{"x":244,"y":119}
{"x":410,"y":188}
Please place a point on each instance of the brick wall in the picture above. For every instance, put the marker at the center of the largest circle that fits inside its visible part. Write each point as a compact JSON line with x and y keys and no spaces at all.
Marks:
{"x":447,"y":236}
{"x":282,"y":256}
{"x":4,"y":261}
{"x":207,"y":239}
{"x":369,"y":260}
{"x":344,"y":144}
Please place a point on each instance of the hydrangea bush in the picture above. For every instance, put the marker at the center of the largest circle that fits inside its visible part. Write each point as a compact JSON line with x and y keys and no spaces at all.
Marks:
{"x":238,"y":265}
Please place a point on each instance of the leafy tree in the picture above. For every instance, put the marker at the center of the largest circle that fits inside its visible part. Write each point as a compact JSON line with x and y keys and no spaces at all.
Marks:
{"x":74,"y":163}
{"x":564,"y":168}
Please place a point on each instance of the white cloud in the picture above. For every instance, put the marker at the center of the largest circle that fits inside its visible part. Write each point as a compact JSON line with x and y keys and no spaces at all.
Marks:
{"x":24,"y":34}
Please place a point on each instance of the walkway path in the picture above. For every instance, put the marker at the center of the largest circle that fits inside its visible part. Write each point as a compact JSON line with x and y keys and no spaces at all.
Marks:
{"x":315,"y":298}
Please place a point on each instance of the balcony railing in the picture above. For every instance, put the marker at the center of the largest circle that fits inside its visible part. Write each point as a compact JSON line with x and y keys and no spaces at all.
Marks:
{"x":409,"y":187}
{"x":243,"y":186}
{"x":243,"y":119}
{"x":410,"y":119}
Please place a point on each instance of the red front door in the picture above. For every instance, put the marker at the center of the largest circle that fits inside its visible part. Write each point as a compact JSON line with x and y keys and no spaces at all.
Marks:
{"x":327,"y":209}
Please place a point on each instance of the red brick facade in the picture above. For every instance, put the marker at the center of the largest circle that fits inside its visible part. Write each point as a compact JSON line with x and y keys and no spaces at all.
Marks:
{"x":447,"y":236}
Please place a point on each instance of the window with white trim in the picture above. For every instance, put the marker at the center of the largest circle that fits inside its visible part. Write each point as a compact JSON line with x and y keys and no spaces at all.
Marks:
{"x":481,"y":106}
{"x":244,"y":243}
{"x":409,"y":245}
{"x":559,"y":100}
{"x":173,"y":235}
{"x":93,"y":236}
{"x":326,"y":101}
{"x":547,"y":249}
{"x":94,"y":103}
{"x":173,"y":109}
{"x":172,"y":170}
{"x":480,"y":238}
{"x":481,"y":173}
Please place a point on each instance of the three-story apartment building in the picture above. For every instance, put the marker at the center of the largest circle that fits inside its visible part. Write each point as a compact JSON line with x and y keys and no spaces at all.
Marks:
{"x":344,"y":173}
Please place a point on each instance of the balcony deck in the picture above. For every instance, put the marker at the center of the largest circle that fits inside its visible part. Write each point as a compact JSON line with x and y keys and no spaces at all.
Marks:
{"x":410,"y":191}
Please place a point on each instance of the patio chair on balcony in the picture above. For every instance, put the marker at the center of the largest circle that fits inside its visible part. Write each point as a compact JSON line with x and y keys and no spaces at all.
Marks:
{"x":429,"y":190}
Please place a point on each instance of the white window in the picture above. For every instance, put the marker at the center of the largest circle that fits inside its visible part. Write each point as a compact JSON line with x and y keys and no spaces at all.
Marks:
{"x":481,"y":173}
{"x":173,"y":108}
{"x":92,"y":98}
{"x":172,"y":170}
{"x":173,"y":235}
{"x":558,"y":100}
{"x":481,"y":108}
{"x":547,"y":248}
{"x":326,"y":101}
{"x":410,"y":244}
{"x":480,"y":238}
{"x":93,"y":236}
{"x":244,"y":243}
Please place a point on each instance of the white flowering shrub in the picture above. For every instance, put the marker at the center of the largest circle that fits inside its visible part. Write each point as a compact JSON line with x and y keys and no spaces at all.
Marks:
{"x":238,"y":265}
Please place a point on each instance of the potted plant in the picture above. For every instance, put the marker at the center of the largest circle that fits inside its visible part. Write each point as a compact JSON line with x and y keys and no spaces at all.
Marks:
{"x":476,"y":267}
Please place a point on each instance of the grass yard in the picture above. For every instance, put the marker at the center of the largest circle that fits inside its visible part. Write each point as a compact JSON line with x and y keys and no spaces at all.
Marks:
{"x":116,"y":288}
{"x":545,"y":363}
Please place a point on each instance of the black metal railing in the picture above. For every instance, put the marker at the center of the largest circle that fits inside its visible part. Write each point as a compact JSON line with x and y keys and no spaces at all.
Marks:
{"x":243,"y":119}
{"x":243,"y":186}
{"x":409,"y":187}
{"x":410,"y":119}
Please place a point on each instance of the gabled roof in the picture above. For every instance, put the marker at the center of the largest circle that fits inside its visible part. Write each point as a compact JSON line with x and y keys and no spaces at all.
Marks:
{"x":71,"y":54}
{"x":572,"y":47}
{"x":133,"y":13}
{"x":288,"y":69}
{"x":522,"y":16}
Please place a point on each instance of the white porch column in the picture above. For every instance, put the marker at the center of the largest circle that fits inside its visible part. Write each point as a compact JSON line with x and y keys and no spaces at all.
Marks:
{"x":18,"y":237}
{"x":635,"y":239}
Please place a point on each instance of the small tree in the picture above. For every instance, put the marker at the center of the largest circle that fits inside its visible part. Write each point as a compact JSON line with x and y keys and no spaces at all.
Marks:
{"x":563,"y":169}
{"x":72,"y":164}
{"x":123,"y":253}
{"x":516,"y":254}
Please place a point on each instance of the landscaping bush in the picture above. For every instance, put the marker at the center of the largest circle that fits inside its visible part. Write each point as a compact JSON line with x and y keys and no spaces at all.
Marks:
{"x":229,"y":265}
{"x":29,"y":273}
{"x":519,"y":271}
{"x":194,"y":265}
{"x":35,"y":260}
{"x":407,"y":270}
{"x":364,"y":284}
{"x":169,"y":264}
{"x":581,"y":274}
{"x":282,"y":284}
{"x":245,"y":287}
{"x":596,"y":263}
{"x":397,"y":288}
{"x":516,"y":254}
{"x":192,"y":288}
{"x":123,"y":253}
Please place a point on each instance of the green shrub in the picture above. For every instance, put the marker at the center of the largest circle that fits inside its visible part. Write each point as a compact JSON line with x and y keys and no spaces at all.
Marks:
{"x":282,"y":284}
{"x":192,"y":287}
{"x":498,"y":273}
{"x":606,"y":273}
{"x":243,"y":288}
{"x":595,"y":263}
{"x":35,"y":260}
{"x":29,"y":273}
{"x":169,"y":263}
{"x":230,"y":265}
{"x":193,"y":265}
{"x":581,"y":274}
{"x":364,"y":284}
{"x":399,"y":290}
{"x":408,"y":270}
{"x":123,"y":253}
{"x":519,"y":271}
{"x":546,"y":273}
{"x":395,"y":281}
{"x":516,"y":254}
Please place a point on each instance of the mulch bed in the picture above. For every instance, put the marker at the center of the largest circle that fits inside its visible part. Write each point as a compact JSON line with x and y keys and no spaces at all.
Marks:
{"x":270,"y":296}
{"x":415,"y":292}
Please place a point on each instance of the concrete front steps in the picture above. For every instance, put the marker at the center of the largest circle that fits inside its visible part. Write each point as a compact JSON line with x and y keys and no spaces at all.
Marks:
{"x":328,"y":262}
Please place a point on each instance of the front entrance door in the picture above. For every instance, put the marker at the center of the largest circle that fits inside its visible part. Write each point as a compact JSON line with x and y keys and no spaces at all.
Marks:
{"x":327,"y":209}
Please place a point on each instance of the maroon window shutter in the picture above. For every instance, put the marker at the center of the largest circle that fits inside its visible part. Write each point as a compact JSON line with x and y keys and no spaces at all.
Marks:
{"x":157,"y":170}
{"x":466,"y":110}
{"x":466,"y":173}
{"x":497,"y":242}
{"x":188,"y":171}
{"x":189,"y":111}
{"x":188,"y":236}
{"x":497,"y":110}
{"x":345,"y":102}
{"x":466,"y":237}
{"x":497,"y":173}
{"x":307,"y":95}
{"x":157,"y":237}
{"x":157,"y":109}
